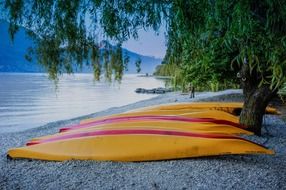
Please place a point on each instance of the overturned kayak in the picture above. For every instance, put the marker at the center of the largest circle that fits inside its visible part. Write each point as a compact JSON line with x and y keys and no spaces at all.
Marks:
{"x":229,"y":107}
{"x":136,"y":145}
{"x":119,"y":119}
{"x":213,"y":114}
{"x":159,"y":125}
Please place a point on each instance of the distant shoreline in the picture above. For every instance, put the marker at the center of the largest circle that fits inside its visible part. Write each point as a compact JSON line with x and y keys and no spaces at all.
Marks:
{"x":155,"y":76}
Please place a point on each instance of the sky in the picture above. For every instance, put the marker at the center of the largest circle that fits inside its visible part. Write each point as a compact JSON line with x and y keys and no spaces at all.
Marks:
{"x":148,"y":43}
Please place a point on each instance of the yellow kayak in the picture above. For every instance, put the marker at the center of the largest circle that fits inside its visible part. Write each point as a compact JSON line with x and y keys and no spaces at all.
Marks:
{"x":229,"y":107}
{"x":136,"y":118}
{"x":136,"y":145}
{"x":161,"y":125}
{"x":214,"y":114}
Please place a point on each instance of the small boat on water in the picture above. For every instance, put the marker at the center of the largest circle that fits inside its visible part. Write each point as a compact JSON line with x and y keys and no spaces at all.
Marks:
{"x":136,"y":145}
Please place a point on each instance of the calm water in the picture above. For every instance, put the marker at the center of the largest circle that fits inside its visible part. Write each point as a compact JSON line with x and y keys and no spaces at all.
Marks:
{"x":30,"y":100}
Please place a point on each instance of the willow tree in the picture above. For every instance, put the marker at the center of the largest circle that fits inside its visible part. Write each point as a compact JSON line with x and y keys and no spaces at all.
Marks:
{"x":207,"y":39}
{"x":224,"y":40}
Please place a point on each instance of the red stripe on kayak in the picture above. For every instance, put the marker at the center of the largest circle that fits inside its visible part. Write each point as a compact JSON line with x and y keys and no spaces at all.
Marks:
{"x":135,"y":132}
{"x":141,"y":117}
{"x":136,"y":118}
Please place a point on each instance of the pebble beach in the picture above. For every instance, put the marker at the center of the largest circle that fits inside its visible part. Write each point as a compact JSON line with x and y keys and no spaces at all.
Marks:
{"x":218,"y":172}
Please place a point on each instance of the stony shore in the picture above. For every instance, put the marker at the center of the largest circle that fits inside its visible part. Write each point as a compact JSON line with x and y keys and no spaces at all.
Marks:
{"x":220,"y":172}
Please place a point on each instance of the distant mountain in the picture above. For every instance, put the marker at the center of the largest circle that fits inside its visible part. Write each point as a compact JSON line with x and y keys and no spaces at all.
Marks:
{"x":12,"y":55}
{"x":148,"y":64}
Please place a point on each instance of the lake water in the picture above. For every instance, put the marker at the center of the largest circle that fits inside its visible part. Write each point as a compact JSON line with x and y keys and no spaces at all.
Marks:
{"x":31,"y":100}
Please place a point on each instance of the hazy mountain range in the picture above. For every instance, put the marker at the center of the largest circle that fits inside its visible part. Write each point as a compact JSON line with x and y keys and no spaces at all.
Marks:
{"x":12,"y":55}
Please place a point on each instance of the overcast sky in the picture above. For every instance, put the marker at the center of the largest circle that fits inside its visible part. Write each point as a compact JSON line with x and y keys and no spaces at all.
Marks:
{"x":149,"y":43}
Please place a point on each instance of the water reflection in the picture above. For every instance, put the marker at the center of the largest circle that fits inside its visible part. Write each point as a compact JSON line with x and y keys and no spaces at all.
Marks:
{"x":31,"y":100}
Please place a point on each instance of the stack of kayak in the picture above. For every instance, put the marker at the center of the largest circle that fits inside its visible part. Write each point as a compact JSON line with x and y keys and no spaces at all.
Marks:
{"x":161,"y":132}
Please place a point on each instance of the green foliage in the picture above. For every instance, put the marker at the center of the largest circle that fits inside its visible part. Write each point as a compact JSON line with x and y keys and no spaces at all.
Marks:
{"x":118,"y":63}
{"x":177,"y":79}
{"x":282,"y":92}
{"x":211,"y":40}
{"x":165,"y":69}
{"x":126,"y":60}
{"x":138,"y":64}
{"x":180,"y":82}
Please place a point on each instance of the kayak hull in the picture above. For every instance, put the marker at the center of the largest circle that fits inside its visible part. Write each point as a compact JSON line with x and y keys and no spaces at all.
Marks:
{"x":175,"y":126}
{"x":214,"y":114}
{"x":162,"y":118}
{"x":137,"y":145}
{"x":229,"y":107}
{"x":217,"y":110}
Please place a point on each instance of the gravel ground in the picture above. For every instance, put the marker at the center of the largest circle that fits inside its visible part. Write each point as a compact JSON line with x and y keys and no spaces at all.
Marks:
{"x":220,"y":172}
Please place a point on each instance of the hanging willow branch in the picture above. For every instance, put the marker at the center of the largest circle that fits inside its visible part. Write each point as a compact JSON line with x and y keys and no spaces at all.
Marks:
{"x":206,"y":38}
{"x":65,"y":31}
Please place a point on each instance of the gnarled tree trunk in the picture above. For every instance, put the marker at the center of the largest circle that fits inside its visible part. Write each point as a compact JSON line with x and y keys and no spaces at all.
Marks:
{"x":256,"y":100}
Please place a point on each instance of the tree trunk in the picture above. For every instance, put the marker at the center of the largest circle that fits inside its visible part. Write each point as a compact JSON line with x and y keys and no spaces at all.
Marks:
{"x":255,"y":102}
{"x":253,"y":109}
